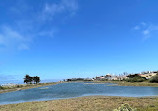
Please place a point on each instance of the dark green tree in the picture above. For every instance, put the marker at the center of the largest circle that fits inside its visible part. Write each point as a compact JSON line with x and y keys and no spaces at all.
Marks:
{"x":29,"y":79}
{"x":36,"y":79}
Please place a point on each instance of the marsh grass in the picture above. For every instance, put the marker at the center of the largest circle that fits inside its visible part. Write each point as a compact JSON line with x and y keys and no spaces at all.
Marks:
{"x":124,"y":83}
{"x":91,"y":103}
{"x":4,"y":89}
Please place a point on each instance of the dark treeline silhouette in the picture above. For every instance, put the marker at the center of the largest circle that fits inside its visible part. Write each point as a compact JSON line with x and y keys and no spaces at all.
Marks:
{"x":28,"y":79}
{"x":78,"y":79}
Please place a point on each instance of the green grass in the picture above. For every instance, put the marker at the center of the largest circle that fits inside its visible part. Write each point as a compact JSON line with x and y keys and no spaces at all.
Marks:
{"x":91,"y":103}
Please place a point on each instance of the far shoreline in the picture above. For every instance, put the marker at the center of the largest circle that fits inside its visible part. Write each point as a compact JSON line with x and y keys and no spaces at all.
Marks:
{"x":30,"y":86}
{"x":20,"y":87}
{"x":122,"y":83}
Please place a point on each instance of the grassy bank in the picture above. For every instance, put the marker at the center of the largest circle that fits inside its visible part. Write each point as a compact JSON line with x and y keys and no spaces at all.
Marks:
{"x":124,"y":83}
{"x":4,"y":89}
{"x":95,"y":103}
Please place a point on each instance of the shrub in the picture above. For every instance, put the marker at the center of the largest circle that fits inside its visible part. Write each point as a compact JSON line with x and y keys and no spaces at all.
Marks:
{"x":136,"y":79}
{"x":1,"y":87}
{"x":19,"y":86}
{"x":124,"y":107}
{"x":154,"y":79}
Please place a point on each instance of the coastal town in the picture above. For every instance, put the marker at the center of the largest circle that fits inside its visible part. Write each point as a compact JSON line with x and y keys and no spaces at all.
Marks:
{"x":99,"y":84}
{"x":110,"y":77}
{"x":146,"y":75}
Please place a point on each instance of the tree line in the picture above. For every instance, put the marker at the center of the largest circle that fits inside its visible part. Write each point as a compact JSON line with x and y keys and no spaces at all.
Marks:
{"x":29,"y":80}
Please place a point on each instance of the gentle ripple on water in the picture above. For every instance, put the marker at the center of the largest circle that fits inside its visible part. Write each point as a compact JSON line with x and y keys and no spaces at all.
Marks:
{"x":71,"y":90}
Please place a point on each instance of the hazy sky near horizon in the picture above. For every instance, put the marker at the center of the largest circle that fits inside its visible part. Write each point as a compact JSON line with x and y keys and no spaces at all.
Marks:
{"x":57,"y":39}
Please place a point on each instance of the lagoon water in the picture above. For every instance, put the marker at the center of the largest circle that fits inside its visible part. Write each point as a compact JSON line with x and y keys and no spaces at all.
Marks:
{"x":78,"y":89}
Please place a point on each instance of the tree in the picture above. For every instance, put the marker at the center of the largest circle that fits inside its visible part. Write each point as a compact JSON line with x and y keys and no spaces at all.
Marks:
{"x":36,"y":79}
{"x":29,"y":79}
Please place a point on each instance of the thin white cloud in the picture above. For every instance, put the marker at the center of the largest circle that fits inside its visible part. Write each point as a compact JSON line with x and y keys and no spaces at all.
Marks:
{"x":146,"y":29}
{"x":25,"y":30}
{"x":51,"y":9}
{"x":12,"y":39}
{"x":49,"y":33}
{"x":136,"y":28}
{"x":143,"y":23}
{"x":146,"y":32}
{"x":23,"y":46}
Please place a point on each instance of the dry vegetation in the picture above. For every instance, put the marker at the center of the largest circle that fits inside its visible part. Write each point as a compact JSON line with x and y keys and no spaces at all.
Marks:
{"x":95,"y":103}
{"x":124,"y":83}
{"x":23,"y":86}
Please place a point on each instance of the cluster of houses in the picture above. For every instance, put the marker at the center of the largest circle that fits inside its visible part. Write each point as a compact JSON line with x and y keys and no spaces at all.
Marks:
{"x":110,"y":77}
{"x":8,"y":84}
{"x":146,"y":75}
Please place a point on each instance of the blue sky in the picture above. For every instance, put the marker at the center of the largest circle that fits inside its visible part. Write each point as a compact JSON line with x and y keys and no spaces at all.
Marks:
{"x":57,"y":39}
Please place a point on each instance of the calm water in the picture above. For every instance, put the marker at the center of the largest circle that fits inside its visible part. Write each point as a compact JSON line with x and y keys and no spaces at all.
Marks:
{"x":70,"y":90}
